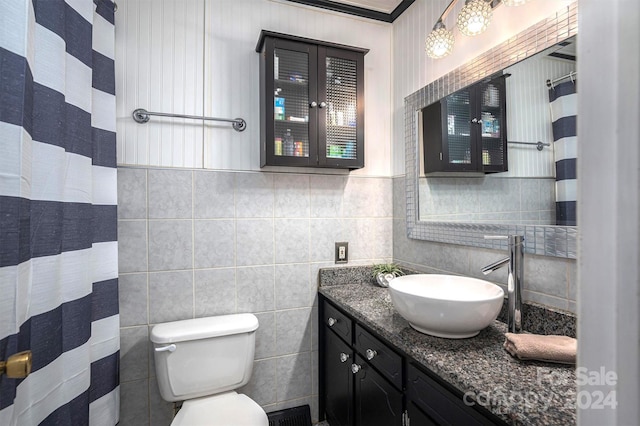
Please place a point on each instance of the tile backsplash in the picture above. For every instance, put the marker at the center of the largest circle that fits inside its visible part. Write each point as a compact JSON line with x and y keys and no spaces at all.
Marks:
{"x":196,"y":243}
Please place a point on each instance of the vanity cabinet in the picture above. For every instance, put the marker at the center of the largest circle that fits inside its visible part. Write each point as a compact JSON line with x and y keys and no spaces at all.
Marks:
{"x":364,"y":381}
{"x":311,"y":102}
{"x":354,"y":392}
{"x":466,"y":131}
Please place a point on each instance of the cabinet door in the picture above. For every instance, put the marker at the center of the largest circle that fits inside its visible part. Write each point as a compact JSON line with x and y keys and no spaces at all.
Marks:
{"x":341,"y":108}
{"x":448,"y":132}
{"x":378,"y":403}
{"x":338,"y":381}
{"x":290,"y":91}
{"x":491,"y":98}
{"x":417,"y":417}
{"x":460,"y":150}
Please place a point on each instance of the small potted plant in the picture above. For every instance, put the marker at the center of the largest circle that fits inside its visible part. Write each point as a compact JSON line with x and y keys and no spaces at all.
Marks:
{"x":385,"y":272}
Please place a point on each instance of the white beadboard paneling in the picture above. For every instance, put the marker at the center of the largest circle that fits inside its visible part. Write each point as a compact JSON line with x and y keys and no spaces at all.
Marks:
{"x":197,"y":57}
{"x":160,"y":67}
{"x":232,"y":75}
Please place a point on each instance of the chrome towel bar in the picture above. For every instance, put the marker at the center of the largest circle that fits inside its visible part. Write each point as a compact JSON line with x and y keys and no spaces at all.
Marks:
{"x":141,"y":116}
{"x":539,"y":145}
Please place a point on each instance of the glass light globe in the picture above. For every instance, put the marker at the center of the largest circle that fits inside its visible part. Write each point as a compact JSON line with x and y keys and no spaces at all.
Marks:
{"x":513,"y":2}
{"x":474,"y":17}
{"x":439,"y":43}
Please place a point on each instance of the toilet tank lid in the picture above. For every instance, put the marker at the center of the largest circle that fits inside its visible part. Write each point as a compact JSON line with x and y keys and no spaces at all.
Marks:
{"x":202,"y":328}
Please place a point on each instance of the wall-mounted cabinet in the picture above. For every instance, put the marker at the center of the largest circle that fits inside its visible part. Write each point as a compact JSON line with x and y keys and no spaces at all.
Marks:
{"x":466,"y":131}
{"x":311,"y":103}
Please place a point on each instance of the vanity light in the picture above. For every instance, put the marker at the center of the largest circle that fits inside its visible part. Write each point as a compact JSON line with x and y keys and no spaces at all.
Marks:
{"x":474,"y":18}
{"x":440,"y":41}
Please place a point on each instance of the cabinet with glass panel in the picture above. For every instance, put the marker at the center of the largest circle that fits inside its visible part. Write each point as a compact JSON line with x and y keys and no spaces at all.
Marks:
{"x":466,"y":131}
{"x":311,"y":102}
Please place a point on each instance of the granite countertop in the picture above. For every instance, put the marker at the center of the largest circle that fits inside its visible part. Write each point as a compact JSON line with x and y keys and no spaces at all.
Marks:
{"x":518,"y":392}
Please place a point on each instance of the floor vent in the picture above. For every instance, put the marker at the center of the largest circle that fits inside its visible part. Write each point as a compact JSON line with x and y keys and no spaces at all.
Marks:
{"x":297,"y":416}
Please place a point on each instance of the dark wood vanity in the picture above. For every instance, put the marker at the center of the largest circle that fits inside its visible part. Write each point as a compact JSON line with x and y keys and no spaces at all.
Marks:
{"x":365,"y":381}
{"x":374,"y":369}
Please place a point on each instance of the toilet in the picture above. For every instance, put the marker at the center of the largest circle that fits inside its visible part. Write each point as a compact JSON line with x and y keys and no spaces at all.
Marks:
{"x":201,"y":362}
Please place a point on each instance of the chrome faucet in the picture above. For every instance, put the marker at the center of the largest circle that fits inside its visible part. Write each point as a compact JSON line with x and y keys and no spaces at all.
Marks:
{"x":514,"y":280}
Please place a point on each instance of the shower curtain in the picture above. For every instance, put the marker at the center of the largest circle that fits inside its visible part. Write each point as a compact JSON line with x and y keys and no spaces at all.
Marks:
{"x":564,"y":111}
{"x":58,"y":245}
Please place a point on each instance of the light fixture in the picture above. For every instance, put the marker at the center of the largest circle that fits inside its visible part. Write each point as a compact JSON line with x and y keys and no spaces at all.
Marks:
{"x":440,"y":41}
{"x":472,"y":20}
{"x":513,"y":2}
{"x":474,"y":17}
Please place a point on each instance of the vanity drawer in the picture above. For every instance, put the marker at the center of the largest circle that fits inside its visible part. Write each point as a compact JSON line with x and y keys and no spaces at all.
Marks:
{"x":378,"y":354}
{"x":338,"y":322}
{"x":439,"y":403}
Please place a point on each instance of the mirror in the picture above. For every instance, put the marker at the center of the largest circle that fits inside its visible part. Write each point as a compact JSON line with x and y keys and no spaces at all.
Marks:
{"x":461,"y":210}
{"x":526,"y":193}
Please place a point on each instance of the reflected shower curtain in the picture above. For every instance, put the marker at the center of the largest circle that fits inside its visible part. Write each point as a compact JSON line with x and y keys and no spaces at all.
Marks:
{"x":564,"y":111}
{"x":58,"y":248}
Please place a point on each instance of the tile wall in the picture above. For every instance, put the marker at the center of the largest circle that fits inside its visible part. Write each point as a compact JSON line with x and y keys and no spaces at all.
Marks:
{"x":551,"y":281}
{"x":195,"y":243}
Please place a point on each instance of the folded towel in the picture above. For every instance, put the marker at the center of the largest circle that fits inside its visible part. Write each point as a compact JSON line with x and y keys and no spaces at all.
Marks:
{"x":561,"y":349}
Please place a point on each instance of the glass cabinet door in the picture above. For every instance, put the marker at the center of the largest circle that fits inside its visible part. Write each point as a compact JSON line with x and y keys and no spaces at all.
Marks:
{"x":491,"y":97}
{"x":291,"y":99}
{"x":341,"y":115}
{"x":342,"y":104}
{"x":459,"y":149}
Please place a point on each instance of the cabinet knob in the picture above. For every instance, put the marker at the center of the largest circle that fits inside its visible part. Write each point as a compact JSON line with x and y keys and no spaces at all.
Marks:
{"x":323,"y":104}
{"x":313,"y":104}
{"x":332,"y":321}
{"x":343,"y":357}
{"x":355,"y":368}
{"x":370,"y":353}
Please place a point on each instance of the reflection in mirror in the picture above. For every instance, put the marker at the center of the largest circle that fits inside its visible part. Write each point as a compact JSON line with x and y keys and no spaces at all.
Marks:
{"x":531,"y":173}
{"x":528,"y":192}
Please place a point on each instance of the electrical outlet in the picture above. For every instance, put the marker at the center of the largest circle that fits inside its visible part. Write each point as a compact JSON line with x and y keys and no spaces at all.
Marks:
{"x":342,"y":252}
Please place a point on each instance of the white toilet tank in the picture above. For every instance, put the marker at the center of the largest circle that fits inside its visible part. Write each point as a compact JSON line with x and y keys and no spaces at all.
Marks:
{"x":203,"y":356}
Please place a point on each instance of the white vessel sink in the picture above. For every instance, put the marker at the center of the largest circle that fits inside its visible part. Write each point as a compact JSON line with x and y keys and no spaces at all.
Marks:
{"x":446,"y":305}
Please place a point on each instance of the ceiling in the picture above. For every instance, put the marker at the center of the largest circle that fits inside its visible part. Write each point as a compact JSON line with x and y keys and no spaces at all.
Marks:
{"x":381,"y":10}
{"x":385,"y":6}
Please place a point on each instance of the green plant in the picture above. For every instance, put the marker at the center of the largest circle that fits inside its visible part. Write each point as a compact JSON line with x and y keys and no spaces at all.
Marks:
{"x":387,"y":268}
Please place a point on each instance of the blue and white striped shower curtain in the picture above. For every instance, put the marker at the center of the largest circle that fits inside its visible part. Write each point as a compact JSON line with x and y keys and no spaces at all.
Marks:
{"x":58,"y":245}
{"x":564,"y":111}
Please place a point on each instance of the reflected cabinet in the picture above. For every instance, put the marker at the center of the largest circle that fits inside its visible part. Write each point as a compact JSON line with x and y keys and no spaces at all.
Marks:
{"x":311,"y":103}
{"x":466,"y":131}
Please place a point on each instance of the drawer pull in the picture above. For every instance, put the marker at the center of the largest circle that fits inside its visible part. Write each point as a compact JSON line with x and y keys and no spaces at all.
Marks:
{"x":355,"y":368}
{"x":370,"y":354}
{"x":343,"y":357}
{"x":332,"y":321}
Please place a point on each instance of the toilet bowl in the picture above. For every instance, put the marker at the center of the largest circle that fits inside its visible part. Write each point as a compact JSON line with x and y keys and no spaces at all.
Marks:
{"x":201,"y":362}
{"x":227,"y":409}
